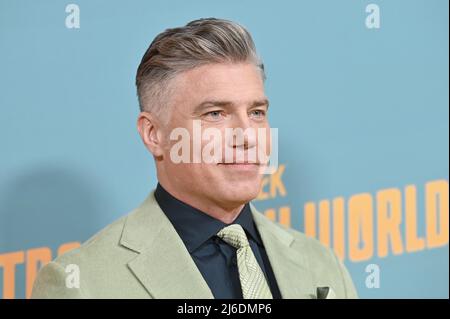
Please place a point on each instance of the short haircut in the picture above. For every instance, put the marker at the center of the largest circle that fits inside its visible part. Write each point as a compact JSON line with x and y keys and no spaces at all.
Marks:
{"x":175,"y":50}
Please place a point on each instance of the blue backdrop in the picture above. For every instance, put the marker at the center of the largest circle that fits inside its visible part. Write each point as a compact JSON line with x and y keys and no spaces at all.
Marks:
{"x":359,"y":110}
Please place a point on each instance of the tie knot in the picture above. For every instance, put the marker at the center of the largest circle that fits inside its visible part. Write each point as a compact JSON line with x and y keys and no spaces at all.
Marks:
{"x":234,"y":235}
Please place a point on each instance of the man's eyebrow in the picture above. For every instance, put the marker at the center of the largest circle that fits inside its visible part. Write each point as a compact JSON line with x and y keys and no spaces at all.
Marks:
{"x":263,"y":102}
{"x":223,"y":103}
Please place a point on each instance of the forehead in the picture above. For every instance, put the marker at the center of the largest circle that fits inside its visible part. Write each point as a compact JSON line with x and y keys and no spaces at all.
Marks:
{"x":236,"y":82}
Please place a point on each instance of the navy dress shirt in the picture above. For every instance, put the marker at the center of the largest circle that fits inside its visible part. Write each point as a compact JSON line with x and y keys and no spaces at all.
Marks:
{"x":215,"y":259}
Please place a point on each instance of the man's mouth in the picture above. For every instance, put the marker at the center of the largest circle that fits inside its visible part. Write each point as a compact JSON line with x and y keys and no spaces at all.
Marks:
{"x":241,"y":166}
{"x":239,"y":163}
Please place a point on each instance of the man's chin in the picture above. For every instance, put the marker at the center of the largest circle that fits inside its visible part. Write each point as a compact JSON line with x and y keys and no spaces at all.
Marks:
{"x":240,"y":196}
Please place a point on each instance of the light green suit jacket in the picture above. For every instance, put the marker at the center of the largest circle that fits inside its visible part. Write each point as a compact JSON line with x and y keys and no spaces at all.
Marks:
{"x":142,"y":256}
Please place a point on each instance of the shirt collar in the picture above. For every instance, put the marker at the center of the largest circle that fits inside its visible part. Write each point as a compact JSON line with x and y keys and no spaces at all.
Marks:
{"x":196,"y":227}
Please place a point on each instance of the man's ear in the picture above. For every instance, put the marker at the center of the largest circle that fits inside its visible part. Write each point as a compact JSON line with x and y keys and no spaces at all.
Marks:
{"x":150,"y":131}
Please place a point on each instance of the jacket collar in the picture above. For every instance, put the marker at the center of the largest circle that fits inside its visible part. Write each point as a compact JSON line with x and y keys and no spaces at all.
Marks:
{"x":165,"y":268}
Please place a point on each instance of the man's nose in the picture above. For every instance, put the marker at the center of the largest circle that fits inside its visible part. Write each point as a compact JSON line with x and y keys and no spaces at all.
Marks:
{"x":245,"y":133}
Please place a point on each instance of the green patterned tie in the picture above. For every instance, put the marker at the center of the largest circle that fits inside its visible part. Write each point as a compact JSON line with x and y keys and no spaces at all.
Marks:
{"x":253,"y":282}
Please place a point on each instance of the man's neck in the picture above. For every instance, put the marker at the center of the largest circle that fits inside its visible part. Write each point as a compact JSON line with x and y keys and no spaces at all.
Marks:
{"x":220,"y":212}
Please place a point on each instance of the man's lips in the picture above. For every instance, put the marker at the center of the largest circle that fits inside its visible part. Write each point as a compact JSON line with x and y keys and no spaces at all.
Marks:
{"x":238,"y":163}
{"x":241,"y":166}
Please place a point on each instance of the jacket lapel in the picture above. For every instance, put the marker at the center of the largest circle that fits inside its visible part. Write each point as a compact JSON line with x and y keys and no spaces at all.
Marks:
{"x":163,"y":264}
{"x":166,"y":270}
{"x":290,"y":268}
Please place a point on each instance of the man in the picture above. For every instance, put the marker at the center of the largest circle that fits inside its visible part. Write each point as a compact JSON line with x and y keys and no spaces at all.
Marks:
{"x":197,"y":235}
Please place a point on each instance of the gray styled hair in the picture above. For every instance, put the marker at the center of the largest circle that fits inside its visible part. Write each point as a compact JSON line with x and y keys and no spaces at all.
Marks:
{"x":180,"y":49}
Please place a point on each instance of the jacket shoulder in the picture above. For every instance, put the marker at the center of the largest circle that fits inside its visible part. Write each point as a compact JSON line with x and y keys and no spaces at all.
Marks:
{"x":91,"y":263}
{"x":97,"y":247}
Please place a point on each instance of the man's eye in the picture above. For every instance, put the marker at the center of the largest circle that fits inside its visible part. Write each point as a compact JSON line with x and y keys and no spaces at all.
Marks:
{"x":214,"y":115}
{"x":258,"y":113}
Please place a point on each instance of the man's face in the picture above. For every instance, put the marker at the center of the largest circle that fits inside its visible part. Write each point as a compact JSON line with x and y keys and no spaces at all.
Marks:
{"x":217,"y":96}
